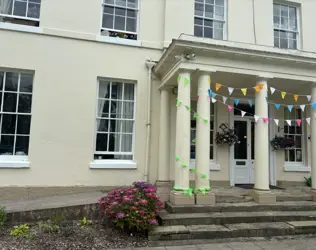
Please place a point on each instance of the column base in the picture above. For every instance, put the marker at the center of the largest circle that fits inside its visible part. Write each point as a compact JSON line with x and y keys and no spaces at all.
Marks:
{"x":263,"y":197}
{"x":163,"y":189}
{"x":207,"y":199}
{"x":178,"y":198}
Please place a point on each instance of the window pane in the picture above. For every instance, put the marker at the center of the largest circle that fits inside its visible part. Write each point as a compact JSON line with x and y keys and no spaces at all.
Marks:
{"x":108,"y":2}
{"x":198,"y":30}
{"x":218,"y":34}
{"x":276,"y":21}
{"x":298,"y":130}
{"x":9,"y":102}
{"x":103,"y":108}
{"x":209,"y":11}
{"x":199,"y":9}
{"x":208,"y":32}
{"x":104,"y":89}
{"x":1,"y":80}
{"x":102,"y":125}
{"x":131,"y":24}
{"x":107,"y":21}
{"x":120,"y":12}
{"x":26,"y":83}
{"x":114,"y":143}
{"x":19,"y":8}
{"x":207,"y":1}
{"x":24,"y":124}
{"x":6,"y":145}
{"x":293,"y":24}
{"x":298,"y":141}
{"x":219,"y":12}
{"x":120,"y":2}
{"x":8,"y":124}
{"x":128,"y":110}
{"x":132,"y":13}
{"x":25,"y":103}
{"x":8,"y":10}
{"x":127,"y":126}
{"x":108,"y":10}
{"x":101,"y":142}
{"x":292,"y":44}
{"x":11,"y":81}
{"x":117,"y":89}
{"x":283,"y":43}
{"x":34,"y":10}
{"x":208,"y":23}
{"x":298,"y":155}
{"x":22,"y":145}
{"x":293,"y":12}
{"x":128,"y":91}
{"x":218,"y":25}
{"x":211,"y":153}
{"x":132,"y":4}
{"x":276,"y":9}
{"x":198,"y":21}
{"x":276,"y":42}
{"x":127,"y":142}
{"x":116,"y":109}
{"x":119,"y":23}
{"x":284,"y":11}
{"x":286,"y":155}
{"x":219,"y":2}
{"x":291,"y":155}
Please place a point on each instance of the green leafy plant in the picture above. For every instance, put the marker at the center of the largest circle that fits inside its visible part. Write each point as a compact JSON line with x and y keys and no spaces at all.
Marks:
{"x":84,"y":222}
{"x":22,"y":231}
{"x":308,"y":181}
{"x":48,"y":227}
{"x":3,"y":217}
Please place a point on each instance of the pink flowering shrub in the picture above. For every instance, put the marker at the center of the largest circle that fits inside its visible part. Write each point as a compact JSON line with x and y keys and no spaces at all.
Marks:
{"x":133,"y":208}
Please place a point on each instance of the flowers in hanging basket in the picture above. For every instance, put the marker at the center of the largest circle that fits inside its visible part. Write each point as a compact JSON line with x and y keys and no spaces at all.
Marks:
{"x":227,"y":136}
{"x":279,"y":142}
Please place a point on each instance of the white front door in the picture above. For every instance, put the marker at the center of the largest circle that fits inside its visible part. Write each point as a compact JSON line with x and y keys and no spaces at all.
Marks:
{"x":244,"y":151}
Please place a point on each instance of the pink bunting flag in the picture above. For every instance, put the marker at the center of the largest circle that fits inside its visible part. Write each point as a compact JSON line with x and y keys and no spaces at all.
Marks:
{"x":197,"y":98}
{"x":265,"y":119}
{"x":298,"y":121}
{"x":230,"y":108}
{"x":208,"y":98}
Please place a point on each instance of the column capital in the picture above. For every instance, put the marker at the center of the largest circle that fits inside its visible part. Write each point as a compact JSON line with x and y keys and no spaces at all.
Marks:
{"x":205,"y":71}
{"x":264,"y":77}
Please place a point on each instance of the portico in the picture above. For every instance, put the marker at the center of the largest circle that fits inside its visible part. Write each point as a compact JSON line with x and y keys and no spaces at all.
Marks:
{"x":193,"y":78}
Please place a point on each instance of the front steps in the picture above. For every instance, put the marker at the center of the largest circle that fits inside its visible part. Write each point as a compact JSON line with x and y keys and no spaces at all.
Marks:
{"x":183,"y":224}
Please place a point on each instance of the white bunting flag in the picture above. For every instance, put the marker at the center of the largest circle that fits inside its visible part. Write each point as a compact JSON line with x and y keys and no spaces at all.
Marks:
{"x":288,"y":122}
{"x":243,"y":113}
{"x":256,"y":118}
{"x":308,"y":120}
{"x":276,"y":121}
{"x":224,"y":99}
{"x":272,"y":90}
{"x":230,"y":90}
{"x":213,"y":100}
{"x":302,"y":107}
{"x":309,"y":97}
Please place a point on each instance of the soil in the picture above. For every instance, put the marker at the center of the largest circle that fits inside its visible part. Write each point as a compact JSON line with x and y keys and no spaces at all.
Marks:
{"x":73,"y":237}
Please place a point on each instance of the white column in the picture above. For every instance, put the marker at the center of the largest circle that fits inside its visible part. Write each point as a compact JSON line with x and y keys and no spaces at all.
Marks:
{"x":202,"y":150}
{"x":313,"y":139}
{"x":164,"y":139}
{"x":183,"y":128}
{"x":261,"y":139}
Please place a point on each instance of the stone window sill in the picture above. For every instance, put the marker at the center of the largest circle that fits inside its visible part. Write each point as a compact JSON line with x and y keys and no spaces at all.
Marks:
{"x":296,"y":168}
{"x":15,"y":164}
{"x":113,"y":164}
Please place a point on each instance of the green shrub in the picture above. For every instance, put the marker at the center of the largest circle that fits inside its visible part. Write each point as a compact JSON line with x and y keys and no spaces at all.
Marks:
{"x":48,"y":227}
{"x":22,"y":231}
{"x":308,"y":181}
{"x":84,"y":222}
{"x":3,"y":217}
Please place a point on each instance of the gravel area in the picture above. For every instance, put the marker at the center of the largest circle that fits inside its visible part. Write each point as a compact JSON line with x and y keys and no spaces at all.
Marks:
{"x":73,"y":237}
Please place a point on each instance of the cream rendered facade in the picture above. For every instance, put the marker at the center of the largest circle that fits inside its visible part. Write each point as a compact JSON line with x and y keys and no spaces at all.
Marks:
{"x":68,"y":55}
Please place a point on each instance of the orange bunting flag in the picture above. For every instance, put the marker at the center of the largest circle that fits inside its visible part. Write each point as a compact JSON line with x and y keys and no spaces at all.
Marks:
{"x":295,"y":97}
{"x":259,"y":87}
{"x":283,"y":94}
{"x":244,"y":91}
{"x":218,"y":86}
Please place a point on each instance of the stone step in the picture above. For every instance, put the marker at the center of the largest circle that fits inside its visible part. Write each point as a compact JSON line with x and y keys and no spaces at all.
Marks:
{"x":242,"y":207}
{"x":170,"y":233}
{"x":235,"y":217}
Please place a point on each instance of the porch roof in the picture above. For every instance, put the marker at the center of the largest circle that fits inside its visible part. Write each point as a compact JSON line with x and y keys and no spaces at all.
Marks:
{"x":216,"y":55}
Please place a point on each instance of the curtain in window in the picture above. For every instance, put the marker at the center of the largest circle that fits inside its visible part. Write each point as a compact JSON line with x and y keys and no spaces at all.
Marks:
{"x":5,"y":8}
{"x":103,"y":92}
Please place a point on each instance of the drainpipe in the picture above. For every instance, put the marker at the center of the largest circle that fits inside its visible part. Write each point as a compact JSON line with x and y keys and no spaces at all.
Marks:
{"x":150,"y":64}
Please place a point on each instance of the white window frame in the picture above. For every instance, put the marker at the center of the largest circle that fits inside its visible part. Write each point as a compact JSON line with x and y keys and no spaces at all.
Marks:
{"x":23,"y":17}
{"x":113,"y":163}
{"x":113,"y":39}
{"x":213,"y":19}
{"x":213,"y":165}
{"x":298,"y":20}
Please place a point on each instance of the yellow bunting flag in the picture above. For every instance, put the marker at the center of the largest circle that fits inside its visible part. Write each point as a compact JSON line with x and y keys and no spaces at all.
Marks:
{"x":244,"y":91}
{"x":209,"y":81}
{"x":283,"y":94}
{"x":218,"y":86}
{"x":295,"y":97}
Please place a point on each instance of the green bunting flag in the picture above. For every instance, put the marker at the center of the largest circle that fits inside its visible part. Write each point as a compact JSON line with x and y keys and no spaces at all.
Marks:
{"x":205,"y":120}
{"x":177,"y":158}
{"x":186,"y":81}
{"x":178,"y":102}
{"x":187,"y":107}
{"x":194,"y":140}
{"x":196,"y":115}
{"x":179,"y":78}
{"x":190,"y":191}
{"x":203,"y":176}
{"x":203,"y":191}
{"x":193,"y":170}
{"x":184,"y":165}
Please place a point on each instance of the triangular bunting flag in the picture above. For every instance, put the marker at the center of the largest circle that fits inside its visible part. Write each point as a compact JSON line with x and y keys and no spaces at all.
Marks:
{"x":178,"y":102}
{"x":236,"y":101}
{"x":179,"y":78}
{"x":230,"y":90}
{"x":196,"y":115}
{"x":272,"y":90}
{"x":213,"y":100}
{"x":244,"y":91}
{"x":243,"y":113}
{"x":214,"y":95}
{"x":302,"y":107}
{"x":308,"y":120}
{"x":288,"y":122}
{"x":208,"y":98}
{"x":186,"y":81}
{"x":295,"y":97}
{"x":277,"y":106}
{"x":187,"y":107}
{"x":299,"y":121}
{"x":314,"y":105}
{"x":276,"y":121}
{"x":177,"y":158}
{"x":224,"y":99}
{"x":250,"y":102}
{"x":205,"y":120}
{"x":265,"y":119}
{"x":290,"y":107}
{"x":283,"y":94}
{"x":218,"y":86}
{"x":230,"y":108}
{"x":209,"y":92}
{"x":309,"y":97}
{"x":266,"y":99}
{"x":256,"y":117}
{"x":209,"y":81}
{"x":197,"y":98}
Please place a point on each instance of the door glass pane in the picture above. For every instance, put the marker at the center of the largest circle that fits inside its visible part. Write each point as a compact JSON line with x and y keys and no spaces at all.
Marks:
{"x":240,"y":147}
{"x":252,"y":140}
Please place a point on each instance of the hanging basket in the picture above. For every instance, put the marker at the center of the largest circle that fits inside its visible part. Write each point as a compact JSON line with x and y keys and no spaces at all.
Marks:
{"x":227,"y":136}
{"x":280,"y":142}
